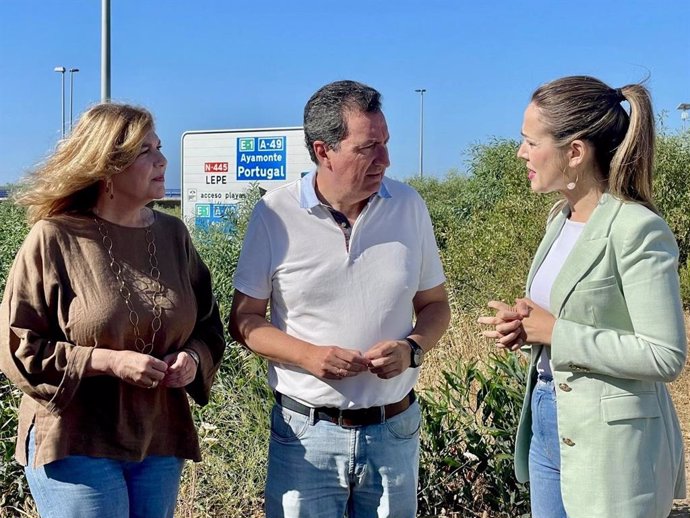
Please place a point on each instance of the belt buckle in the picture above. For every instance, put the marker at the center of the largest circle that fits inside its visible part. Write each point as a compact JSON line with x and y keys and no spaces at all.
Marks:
{"x":348,"y":422}
{"x":347,"y":425}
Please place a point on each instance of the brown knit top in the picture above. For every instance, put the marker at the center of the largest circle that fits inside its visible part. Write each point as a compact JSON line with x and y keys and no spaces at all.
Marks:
{"x":62,"y":300}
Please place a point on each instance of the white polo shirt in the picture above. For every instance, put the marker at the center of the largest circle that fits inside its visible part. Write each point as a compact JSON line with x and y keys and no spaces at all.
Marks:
{"x":294,"y":254}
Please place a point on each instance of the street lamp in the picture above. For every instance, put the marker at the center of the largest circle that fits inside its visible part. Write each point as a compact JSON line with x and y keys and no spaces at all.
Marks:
{"x":71,"y":95}
{"x":62,"y":71}
{"x":421,"y":91}
{"x":684,"y":107}
{"x":105,"y":51}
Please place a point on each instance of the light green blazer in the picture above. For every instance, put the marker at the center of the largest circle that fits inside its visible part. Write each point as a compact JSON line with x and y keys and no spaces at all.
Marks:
{"x":619,"y":337}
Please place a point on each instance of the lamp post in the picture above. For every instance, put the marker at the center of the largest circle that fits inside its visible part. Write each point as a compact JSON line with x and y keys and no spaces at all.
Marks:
{"x":684,"y":107}
{"x":105,"y":51}
{"x":421,"y":91}
{"x":71,"y":95}
{"x":62,"y":71}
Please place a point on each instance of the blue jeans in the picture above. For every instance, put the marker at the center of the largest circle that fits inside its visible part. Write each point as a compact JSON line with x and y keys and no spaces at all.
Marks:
{"x":319,"y":469}
{"x":92,"y":487}
{"x":545,"y":454}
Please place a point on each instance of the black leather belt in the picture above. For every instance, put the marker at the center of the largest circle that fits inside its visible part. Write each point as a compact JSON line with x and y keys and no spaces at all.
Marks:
{"x":349,"y":418}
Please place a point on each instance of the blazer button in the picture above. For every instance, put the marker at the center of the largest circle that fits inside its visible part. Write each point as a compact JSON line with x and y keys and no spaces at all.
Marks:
{"x":568,"y":442}
{"x":564,"y":387}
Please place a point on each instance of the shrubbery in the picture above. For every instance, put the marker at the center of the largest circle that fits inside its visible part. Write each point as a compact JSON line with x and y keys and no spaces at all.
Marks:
{"x":466,"y":461}
{"x":488,"y":225}
{"x":13,"y":486}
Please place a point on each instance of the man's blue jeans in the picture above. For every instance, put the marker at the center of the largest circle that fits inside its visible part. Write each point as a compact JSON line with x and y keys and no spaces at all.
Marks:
{"x":91,"y":487}
{"x":545,"y":454}
{"x":319,"y":469}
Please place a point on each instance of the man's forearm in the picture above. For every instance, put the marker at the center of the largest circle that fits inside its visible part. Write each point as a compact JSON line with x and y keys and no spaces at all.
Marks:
{"x":433,"y":315}
{"x":266,"y":340}
{"x":431,"y":324}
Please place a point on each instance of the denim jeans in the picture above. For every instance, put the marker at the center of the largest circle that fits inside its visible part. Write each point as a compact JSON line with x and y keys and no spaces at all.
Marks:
{"x":319,"y":469}
{"x":544,"y":454}
{"x":91,"y":487}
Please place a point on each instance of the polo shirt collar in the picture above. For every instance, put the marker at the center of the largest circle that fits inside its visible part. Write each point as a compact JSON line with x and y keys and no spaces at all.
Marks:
{"x":308,"y":198}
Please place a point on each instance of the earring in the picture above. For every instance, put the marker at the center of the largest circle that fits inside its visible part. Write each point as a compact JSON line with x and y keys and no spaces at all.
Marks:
{"x":109,"y":187}
{"x":571,"y":185}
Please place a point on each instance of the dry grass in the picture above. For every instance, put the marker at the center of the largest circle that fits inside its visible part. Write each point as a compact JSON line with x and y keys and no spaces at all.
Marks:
{"x":462,"y":340}
{"x":680,"y":391}
{"x":27,"y":510}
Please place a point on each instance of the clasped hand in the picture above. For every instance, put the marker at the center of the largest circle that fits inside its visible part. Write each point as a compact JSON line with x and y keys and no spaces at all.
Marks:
{"x":386,"y":359}
{"x":525,"y":322}
{"x":175,"y":370}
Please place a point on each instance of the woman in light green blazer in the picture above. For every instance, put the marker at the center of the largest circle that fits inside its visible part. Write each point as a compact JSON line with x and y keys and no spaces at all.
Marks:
{"x":598,"y":435}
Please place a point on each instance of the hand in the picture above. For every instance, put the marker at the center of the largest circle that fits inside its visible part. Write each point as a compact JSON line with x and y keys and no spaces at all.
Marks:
{"x":181,"y":369}
{"x":389,"y":358}
{"x":508,"y":330}
{"x":332,"y":362}
{"x":538,"y":324}
{"x":137,"y":369}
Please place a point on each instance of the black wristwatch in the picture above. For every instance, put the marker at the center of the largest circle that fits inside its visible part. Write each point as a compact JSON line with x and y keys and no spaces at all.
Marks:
{"x":416,"y":353}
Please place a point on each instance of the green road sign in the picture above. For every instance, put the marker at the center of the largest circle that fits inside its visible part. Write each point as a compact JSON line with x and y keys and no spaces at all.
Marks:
{"x":246,"y":144}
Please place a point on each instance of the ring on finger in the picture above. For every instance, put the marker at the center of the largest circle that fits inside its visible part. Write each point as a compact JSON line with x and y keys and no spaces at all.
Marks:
{"x":153,"y":384}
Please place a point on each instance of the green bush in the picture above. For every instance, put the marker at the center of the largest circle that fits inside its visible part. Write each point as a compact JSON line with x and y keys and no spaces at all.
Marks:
{"x":488,"y":225}
{"x":233,"y":430}
{"x":672,"y":187}
{"x":234,"y":426}
{"x":467,"y":441}
{"x":13,"y":488}
{"x":672,"y":195}
{"x":13,"y":229}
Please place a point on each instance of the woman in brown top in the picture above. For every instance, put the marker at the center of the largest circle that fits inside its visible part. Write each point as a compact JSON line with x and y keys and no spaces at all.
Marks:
{"x":107,"y":323}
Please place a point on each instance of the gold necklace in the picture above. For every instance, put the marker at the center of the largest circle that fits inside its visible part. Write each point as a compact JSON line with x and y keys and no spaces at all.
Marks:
{"x":125,"y":293}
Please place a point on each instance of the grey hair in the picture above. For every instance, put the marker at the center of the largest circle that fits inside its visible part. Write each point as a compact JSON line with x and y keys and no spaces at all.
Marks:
{"x":324,"y":113}
{"x":585,"y":108}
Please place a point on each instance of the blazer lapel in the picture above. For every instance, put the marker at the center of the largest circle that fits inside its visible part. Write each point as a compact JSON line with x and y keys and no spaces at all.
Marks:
{"x":587,"y":249}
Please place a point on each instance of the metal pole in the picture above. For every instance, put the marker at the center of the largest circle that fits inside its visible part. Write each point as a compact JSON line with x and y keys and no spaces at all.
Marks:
{"x":684,"y":107}
{"x":71,"y":97}
{"x":63,"y":103}
{"x":61,"y":70}
{"x":105,"y":51}
{"x":421,"y":130}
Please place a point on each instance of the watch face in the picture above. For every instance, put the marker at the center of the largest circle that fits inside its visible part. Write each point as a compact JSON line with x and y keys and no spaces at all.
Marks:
{"x":416,"y":353}
{"x":416,"y":356}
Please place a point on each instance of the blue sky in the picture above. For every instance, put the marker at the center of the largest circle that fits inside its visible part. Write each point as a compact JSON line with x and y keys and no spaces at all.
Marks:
{"x":223,"y":64}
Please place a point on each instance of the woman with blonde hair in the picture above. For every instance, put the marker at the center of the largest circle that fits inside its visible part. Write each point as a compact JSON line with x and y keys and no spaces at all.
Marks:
{"x":107,"y":323}
{"x":598,"y":435}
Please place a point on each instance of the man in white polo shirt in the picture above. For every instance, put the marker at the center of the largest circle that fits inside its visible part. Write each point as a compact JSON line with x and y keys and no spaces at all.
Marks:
{"x":348,"y":260}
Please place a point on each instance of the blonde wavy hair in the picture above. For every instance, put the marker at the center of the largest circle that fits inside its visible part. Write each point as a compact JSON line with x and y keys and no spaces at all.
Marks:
{"x":105,"y":142}
{"x":585,"y":108}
